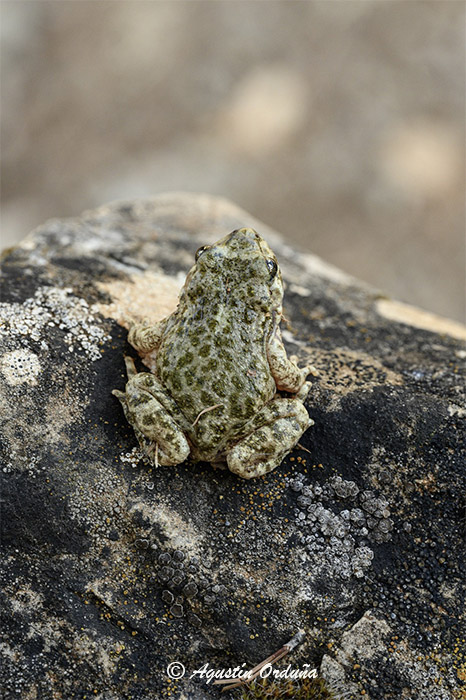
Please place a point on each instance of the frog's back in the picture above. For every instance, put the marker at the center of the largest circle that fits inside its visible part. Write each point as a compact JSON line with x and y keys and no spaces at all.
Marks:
{"x":217,"y":358}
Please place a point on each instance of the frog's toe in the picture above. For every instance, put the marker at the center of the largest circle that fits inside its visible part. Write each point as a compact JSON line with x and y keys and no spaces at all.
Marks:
{"x":120,"y":395}
{"x":161,"y":456}
{"x":160,"y":428}
{"x":304,"y":391}
{"x":131,"y":370}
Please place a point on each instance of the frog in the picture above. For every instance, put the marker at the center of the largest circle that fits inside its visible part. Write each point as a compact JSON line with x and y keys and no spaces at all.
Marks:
{"x":222,"y":388}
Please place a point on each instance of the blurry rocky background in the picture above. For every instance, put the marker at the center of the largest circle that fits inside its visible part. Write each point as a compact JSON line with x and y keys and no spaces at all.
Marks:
{"x":339,"y":123}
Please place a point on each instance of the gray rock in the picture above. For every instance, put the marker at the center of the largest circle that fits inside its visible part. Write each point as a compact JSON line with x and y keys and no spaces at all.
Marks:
{"x":111,"y":571}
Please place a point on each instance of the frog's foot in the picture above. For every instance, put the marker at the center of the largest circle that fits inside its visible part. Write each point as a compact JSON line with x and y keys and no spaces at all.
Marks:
{"x":155,"y":417}
{"x":305,"y":372}
{"x":269,"y":436}
{"x":288,"y":376}
{"x":145,"y":337}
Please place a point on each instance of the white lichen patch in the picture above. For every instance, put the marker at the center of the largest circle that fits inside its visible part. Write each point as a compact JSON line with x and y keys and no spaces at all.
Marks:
{"x":25,"y":600}
{"x":339,"y":526}
{"x":98,"y":505}
{"x":454,"y":410}
{"x":133,"y":457}
{"x":20,"y":367}
{"x":180,"y":533}
{"x":16,"y":461}
{"x":148,"y":295}
{"x":53,"y":308}
{"x":368,"y":633}
{"x":103,"y":653}
{"x":7,"y":651}
{"x":61,"y":412}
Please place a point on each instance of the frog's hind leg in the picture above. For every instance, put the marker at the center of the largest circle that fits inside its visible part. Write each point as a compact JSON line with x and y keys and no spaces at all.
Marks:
{"x":268,"y":437}
{"x":131,"y":372}
{"x":158,"y":423}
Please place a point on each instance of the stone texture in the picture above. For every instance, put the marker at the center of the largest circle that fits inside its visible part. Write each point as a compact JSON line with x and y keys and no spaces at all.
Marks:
{"x":340,"y":123}
{"x":111,"y":571}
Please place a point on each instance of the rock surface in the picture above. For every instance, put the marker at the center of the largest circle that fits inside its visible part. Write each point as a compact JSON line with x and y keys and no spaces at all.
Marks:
{"x":110,"y":571}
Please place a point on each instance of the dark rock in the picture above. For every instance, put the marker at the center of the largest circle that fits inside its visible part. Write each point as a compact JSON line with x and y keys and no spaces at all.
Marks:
{"x":111,"y":570}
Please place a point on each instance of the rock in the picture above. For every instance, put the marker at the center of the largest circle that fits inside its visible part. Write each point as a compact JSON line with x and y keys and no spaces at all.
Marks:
{"x":111,"y":571}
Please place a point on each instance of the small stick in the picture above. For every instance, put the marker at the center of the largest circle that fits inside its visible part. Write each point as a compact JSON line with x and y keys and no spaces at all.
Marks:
{"x":254,"y":672}
{"x":152,"y":453}
{"x":210,"y":408}
{"x":301,"y":447}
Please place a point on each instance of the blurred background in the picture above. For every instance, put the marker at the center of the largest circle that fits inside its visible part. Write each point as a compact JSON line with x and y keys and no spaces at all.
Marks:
{"x":338,"y":122}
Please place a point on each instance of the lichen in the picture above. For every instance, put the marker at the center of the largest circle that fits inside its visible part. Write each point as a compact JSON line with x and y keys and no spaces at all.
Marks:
{"x":20,"y":367}
{"x":50,"y":309}
{"x":337,"y":522}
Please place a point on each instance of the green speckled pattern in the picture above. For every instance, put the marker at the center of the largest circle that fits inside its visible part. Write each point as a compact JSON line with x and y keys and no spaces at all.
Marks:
{"x":220,"y":360}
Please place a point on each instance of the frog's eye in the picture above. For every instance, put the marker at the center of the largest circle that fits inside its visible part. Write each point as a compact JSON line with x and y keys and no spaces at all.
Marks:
{"x":273,"y":268}
{"x":200,"y":250}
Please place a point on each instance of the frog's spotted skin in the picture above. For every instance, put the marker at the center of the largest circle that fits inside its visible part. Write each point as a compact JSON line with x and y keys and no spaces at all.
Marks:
{"x":220,"y":362}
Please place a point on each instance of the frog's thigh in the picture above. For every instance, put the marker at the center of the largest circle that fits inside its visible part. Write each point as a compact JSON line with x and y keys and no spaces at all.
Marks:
{"x":155,"y":414}
{"x":288,"y":376}
{"x":275,"y":430}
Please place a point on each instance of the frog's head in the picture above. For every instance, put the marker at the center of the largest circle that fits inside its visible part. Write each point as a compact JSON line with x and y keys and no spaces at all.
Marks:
{"x":241,"y":269}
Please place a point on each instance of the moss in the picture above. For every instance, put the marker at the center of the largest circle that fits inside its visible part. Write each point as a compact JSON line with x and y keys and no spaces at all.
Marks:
{"x":307,"y":689}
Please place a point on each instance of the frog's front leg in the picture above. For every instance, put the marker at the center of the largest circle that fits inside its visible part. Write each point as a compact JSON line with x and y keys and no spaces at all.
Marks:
{"x":268,"y":437}
{"x":288,"y":376}
{"x":146,"y":337}
{"x":158,"y":423}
